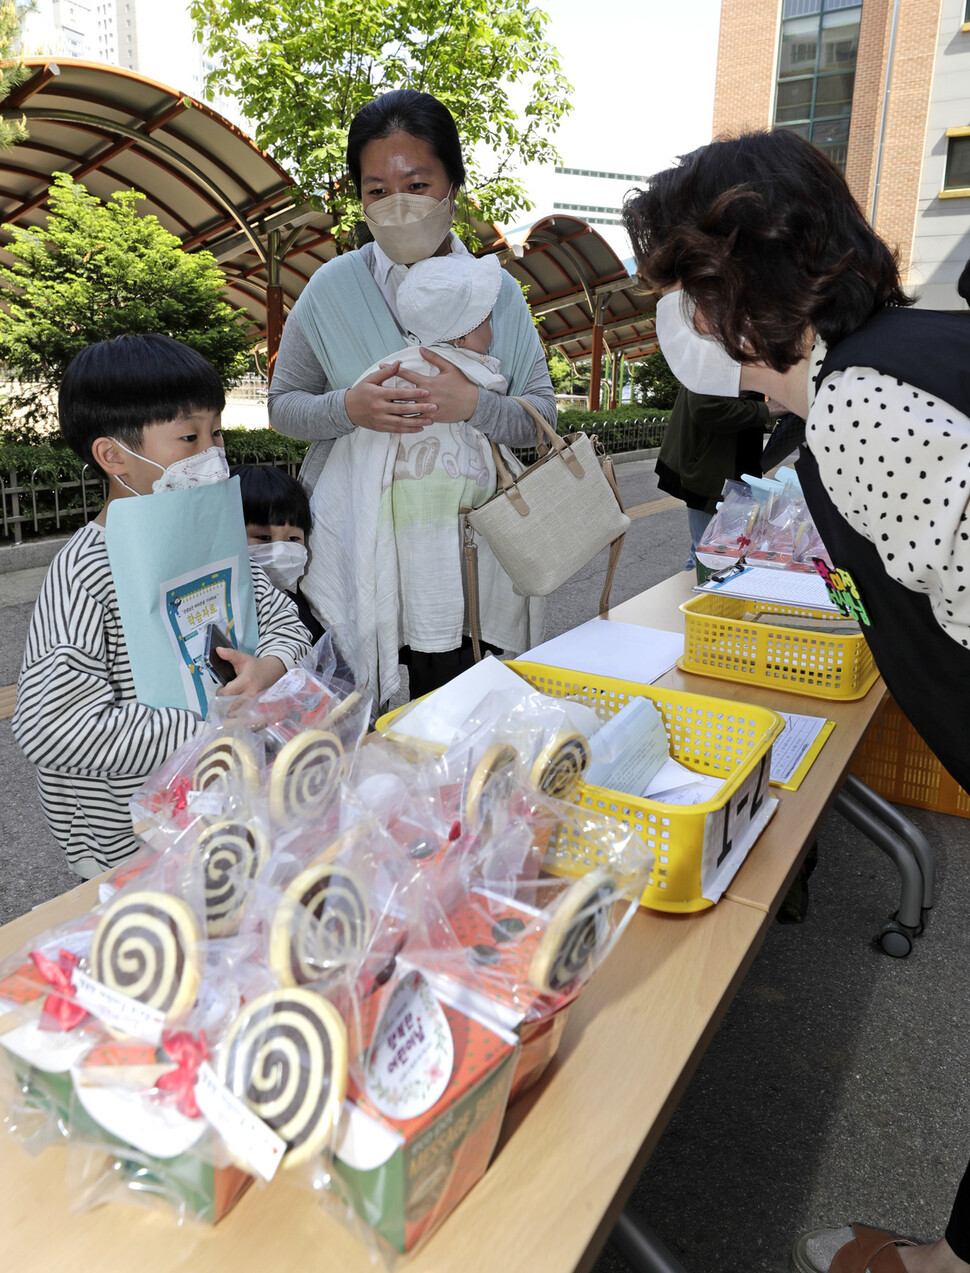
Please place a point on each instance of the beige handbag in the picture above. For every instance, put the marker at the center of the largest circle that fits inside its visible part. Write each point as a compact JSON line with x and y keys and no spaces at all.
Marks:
{"x":547,"y":523}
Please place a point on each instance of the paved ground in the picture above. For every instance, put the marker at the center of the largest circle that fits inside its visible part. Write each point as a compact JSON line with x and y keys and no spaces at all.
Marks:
{"x":837,"y":1085}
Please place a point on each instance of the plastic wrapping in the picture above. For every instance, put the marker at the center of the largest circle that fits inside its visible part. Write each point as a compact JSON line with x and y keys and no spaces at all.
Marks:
{"x":766,"y":522}
{"x":342,"y":967}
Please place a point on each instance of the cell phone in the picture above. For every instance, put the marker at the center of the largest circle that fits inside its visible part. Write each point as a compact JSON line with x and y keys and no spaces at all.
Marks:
{"x":221,"y":668}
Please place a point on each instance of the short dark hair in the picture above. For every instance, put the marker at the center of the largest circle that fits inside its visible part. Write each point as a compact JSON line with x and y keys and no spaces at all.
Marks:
{"x":763,"y":234}
{"x":405,"y":110}
{"x":270,"y":497}
{"x":114,"y":388}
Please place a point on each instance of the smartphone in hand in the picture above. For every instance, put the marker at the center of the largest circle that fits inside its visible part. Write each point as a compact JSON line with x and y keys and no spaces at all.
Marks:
{"x":221,"y":668}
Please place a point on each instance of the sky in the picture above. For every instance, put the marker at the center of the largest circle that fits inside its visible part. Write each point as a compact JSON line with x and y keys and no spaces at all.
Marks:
{"x":643,"y":73}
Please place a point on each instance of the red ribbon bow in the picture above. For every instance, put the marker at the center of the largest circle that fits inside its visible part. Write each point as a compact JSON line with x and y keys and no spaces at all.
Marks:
{"x":180,"y":795}
{"x":59,"y":1012}
{"x":188,"y":1054}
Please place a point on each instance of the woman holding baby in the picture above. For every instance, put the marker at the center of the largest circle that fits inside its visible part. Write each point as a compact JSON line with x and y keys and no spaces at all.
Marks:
{"x":401,"y":419}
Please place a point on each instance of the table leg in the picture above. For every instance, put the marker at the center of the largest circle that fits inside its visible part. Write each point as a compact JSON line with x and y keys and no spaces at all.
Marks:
{"x":640,"y":1246}
{"x":908,"y":851}
{"x":903,"y":827}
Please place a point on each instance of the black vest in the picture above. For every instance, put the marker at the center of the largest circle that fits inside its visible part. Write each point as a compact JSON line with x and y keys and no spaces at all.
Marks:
{"x":928,"y":672}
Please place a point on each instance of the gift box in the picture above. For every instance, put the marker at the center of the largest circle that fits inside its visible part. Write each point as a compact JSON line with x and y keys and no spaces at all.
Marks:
{"x":119,"y":1126}
{"x":403,"y":1175}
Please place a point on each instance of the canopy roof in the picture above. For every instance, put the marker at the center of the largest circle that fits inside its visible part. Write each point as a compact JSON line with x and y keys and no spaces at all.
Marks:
{"x":211,"y":186}
{"x":572,"y":272}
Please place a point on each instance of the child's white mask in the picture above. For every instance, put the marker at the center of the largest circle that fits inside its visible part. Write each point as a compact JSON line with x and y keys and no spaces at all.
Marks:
{"x":698,"y":361}
{"x":283,"y":561}
{"x":201,"y":469}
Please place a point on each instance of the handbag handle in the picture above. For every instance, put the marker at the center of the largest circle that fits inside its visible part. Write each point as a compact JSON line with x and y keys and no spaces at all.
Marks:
{"x":545,"y":433}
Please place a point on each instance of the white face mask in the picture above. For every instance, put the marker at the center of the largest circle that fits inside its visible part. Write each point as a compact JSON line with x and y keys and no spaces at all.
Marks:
{"x":283,"y":561}
{"x":410,"y":227}
{"x":698,"y":362}
{"x":195,"y":470}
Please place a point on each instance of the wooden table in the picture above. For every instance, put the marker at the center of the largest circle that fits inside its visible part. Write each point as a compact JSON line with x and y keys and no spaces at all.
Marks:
{"x":571,"y":1150}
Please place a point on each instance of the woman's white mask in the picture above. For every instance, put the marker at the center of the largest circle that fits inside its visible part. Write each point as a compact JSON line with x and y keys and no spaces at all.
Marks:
{"x":195,"y":470}
{"x":283,"y":561}
{"x":410,"y":227}
{"x":698,"y":362}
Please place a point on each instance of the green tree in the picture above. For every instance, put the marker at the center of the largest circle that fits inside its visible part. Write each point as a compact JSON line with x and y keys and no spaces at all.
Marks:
{"x":301,"y":69}
{"x":655,"y":384}
{"x":99,"y":270}
{"x":560,"y":370}
{"x":12,"y":69}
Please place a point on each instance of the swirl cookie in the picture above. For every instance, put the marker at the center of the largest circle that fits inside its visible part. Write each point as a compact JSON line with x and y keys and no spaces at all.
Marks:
{"x":490,"y":783}
{"x":147,"y":946}
{"x":578,"y":929}
{"x":304,"y":774}
{"x":223,"y":760}
{"x":232,"y":855}
{"x":322,"y":921}
{"x":286,"y":1056}
{"x":558,"y":768}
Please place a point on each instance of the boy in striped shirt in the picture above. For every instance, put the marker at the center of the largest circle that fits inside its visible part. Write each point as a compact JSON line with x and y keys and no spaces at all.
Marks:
{"x":147,"y":410}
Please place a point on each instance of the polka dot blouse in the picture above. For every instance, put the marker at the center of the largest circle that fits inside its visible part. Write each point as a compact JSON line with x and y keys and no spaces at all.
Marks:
{"x":896,"y":463}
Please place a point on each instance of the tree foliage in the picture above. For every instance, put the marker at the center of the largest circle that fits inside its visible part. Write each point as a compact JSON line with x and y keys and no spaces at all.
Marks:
{"x":560,"y":371}
{"x":654,"y":382}
{"x":99,"y":270}
{"x":301,"y":69}
{"x":12,"y":69}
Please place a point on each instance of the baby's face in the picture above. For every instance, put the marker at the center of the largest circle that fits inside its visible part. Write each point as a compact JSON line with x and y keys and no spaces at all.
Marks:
{"x":478,"y":339}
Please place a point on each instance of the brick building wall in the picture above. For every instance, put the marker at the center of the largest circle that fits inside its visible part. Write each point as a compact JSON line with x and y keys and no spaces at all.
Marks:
{"x":744,"y":91}
{"x":909,"y":99}
{"x":867,"y":95}
{"x":745,"y":88}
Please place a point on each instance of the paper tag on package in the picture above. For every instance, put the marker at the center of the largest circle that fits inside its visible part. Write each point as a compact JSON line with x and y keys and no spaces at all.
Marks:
{"x":119,"y":1011}
{"x":248,"y":1138}
{"x":412,"y":1054}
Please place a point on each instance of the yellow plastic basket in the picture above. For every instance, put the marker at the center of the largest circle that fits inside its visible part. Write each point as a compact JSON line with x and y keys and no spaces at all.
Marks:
{"x":896,"y":763}
{"x":712,"y":736}
{"x":719,"y":642}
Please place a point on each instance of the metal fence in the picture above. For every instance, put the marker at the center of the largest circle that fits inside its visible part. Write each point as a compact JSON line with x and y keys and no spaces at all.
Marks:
{"x":34,"y":505}
{"x":41,"y":507}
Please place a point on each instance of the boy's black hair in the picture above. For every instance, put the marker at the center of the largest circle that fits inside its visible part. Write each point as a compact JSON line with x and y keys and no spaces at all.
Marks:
{"x":113,"y":389}
{"x":270,"y":497}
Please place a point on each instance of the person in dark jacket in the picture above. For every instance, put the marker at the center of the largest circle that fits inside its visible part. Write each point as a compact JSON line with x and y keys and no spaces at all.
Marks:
{"x":709,"y":440}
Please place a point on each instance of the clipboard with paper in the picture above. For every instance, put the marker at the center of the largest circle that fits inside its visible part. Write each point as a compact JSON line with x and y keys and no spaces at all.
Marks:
{"x":180,"y":561}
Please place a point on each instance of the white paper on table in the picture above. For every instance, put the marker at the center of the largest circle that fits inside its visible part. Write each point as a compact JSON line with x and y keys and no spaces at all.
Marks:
{"x":792,"y":744}
{"x":605,"y":647}
{"x":440,"y":717}
{"x":634,"y":746}
{"x":779,"y":587}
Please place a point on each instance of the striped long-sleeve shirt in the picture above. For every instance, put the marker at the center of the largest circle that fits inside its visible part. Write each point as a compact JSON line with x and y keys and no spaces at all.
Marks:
{"x":78,"y":719}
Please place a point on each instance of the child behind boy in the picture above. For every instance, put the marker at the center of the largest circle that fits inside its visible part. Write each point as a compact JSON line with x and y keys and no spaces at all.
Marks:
{"x":277,"y":513}
{"x":147,"y":411}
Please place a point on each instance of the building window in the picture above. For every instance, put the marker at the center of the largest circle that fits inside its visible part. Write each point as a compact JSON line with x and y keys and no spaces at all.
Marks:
{"x":816,"y":71}
{"x":956,"y":177}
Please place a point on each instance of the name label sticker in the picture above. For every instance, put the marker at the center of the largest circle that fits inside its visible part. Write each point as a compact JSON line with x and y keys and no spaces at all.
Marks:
{"x":247,"y":1137}
{"x":117,"y":1011}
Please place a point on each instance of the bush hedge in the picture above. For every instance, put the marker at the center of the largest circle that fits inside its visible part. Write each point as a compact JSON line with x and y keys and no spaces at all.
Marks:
{"x":56,"y":465}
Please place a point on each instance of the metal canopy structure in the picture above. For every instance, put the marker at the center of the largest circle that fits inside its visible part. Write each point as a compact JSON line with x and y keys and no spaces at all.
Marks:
{"x":212,"y":187}
{"x":580,"y":290}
